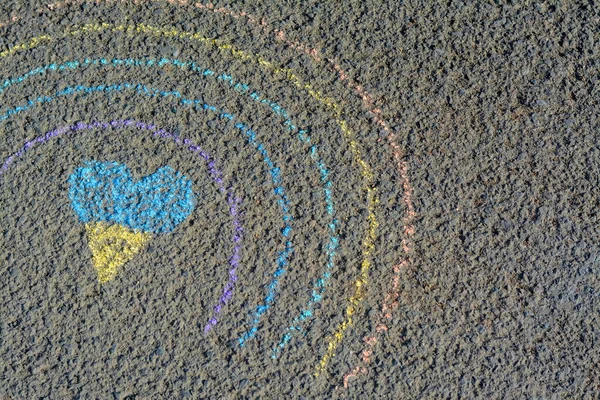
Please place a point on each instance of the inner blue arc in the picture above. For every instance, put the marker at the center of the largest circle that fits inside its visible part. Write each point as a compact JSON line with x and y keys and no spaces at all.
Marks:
{"x":275,"y":172}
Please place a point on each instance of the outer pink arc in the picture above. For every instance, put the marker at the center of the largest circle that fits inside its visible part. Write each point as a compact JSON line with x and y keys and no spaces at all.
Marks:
{"x":390,"y":303}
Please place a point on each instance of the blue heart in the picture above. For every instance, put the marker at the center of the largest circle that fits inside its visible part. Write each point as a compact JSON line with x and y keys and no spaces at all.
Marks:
{"x":106,"y":192}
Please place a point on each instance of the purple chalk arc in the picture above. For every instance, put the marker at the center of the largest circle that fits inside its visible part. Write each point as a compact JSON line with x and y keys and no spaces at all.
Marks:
{"x":233,"y":202}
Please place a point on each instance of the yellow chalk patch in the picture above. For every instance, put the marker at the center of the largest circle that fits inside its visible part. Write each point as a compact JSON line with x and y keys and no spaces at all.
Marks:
{"x":112,"y":247}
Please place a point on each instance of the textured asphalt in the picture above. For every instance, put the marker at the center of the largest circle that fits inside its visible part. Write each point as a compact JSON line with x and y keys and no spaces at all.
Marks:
{"x":469,"y":134}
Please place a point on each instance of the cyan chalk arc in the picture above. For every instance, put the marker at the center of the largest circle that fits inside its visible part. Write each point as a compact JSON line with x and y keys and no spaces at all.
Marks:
{"x":319,"y":287}
{"x":188,"y":144}
{"x":368,"y":243}
{"x":275,"y":172}
{"x":242,"y":88}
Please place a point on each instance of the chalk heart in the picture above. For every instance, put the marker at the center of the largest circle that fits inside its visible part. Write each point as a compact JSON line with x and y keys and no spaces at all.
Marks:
{"x":121,"y":214}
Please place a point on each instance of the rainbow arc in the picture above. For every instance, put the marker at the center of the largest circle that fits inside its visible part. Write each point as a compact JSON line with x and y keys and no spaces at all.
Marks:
{"x":115,"y":238}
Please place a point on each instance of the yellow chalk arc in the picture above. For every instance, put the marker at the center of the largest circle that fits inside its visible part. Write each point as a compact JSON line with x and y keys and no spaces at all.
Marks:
{"x":112,"y":247}
{"x":335,"y":108}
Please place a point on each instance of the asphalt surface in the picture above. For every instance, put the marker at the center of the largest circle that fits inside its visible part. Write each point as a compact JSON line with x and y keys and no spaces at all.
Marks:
{"x":390,"y":200}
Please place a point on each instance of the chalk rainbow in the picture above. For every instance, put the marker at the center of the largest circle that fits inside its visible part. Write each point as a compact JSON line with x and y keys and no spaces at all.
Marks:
{"x":332,"y":108}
